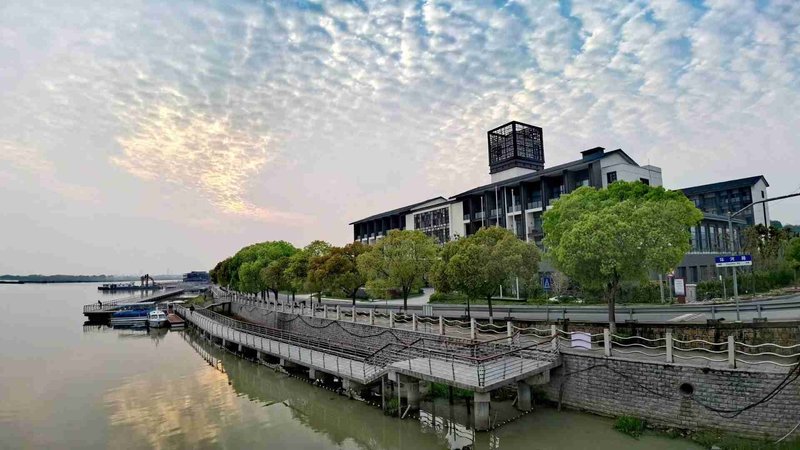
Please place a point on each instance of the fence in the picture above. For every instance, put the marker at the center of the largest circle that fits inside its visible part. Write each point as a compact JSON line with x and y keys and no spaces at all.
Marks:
{"x":730,"y":352}
{"x":474,"y":364}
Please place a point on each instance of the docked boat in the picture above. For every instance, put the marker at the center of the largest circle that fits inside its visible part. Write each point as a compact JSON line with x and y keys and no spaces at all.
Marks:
{"x":157,"y":319}
{"x":131,"y":314}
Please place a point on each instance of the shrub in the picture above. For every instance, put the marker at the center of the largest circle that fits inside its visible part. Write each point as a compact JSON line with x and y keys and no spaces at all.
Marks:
{"x":448,"y":297}
{"x":632,"y":426}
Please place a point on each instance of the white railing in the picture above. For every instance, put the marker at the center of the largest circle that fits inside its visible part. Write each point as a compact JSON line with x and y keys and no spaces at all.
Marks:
{"x":669,"y":349}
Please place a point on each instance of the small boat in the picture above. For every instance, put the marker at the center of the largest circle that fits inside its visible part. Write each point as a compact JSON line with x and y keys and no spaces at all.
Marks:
{"x":157,"y":319}
{"x":131,"y":314}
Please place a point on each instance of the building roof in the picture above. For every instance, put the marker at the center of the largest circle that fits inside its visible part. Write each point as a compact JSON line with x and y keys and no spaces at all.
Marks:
{"x":724,"y":185}
{"x":399,"y":211}
{"x":588,"y":156}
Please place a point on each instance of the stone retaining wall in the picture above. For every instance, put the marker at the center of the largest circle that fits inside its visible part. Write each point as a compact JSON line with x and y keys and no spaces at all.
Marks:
{"x":673,"y":395}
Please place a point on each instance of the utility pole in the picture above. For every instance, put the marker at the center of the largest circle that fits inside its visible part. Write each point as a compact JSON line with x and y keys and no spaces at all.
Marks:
{"x":730,"y":231}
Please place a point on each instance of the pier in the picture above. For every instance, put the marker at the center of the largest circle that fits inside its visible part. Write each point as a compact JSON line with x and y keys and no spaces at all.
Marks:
{"x":101,"y":312}
{"x":401,"y":358}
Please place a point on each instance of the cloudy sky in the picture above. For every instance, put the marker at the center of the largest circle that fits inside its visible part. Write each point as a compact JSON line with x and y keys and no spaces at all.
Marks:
{"x":158,"y":136}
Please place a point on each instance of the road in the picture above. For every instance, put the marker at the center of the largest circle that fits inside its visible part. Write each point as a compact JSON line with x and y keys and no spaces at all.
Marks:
{"x":779,"y":309}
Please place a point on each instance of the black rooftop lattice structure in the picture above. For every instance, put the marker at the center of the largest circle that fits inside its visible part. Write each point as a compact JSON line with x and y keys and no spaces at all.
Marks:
{"x":515,"y":144}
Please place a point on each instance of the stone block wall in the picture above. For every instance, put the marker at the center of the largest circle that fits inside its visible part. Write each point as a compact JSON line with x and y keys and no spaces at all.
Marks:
{"x":673,"y":395}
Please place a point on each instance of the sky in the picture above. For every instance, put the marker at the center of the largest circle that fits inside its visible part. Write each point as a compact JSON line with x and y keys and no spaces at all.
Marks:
{"x":160,"y":137}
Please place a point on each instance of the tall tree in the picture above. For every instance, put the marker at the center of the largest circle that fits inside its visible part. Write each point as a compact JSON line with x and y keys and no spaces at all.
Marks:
{"x":482,"y":262}
{"x":400,"y":261}
{"x":766,"y":244}
{"x":604,"y":238}
{"x":275,"y":276}
{"x":298,"y":269}
{"x":338,"y":271}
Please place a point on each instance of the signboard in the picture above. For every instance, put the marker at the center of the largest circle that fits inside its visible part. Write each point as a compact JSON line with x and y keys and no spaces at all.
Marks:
{"x":680,"y":287}
{"x":733,"y":260}
{"x":547,"y":283}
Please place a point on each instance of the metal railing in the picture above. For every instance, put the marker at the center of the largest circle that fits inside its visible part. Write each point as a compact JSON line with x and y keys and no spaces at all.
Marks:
{"x":534,"y":204}
{"x":663,"y":348}
{"x":472,"y":363}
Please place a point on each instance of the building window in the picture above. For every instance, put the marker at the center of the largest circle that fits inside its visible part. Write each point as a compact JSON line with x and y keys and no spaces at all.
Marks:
{"x":435,"y":224}
{"x":645,"y":181}
{"x":611,"y":177}
{"x":763,"y":195}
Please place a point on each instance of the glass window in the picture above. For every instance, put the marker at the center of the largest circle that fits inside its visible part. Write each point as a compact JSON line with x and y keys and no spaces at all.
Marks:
{"x":611,"y":177}
{"x":645,"y":181}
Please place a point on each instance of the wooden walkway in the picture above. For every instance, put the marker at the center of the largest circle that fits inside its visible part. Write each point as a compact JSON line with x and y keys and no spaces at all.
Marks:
{"x":482,"y":376}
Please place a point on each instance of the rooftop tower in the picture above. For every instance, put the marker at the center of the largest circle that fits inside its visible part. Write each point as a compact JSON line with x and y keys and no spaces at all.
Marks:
{"x":515,"y":149}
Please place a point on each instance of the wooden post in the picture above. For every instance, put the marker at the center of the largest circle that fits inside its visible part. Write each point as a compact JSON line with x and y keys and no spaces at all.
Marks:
{"x":669,"y":346}
{"x":606,"y":342}
{"x":731,"y":352}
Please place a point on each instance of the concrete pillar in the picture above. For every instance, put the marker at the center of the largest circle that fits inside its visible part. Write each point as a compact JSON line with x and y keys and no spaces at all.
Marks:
{"x":259,"y":356}
{"x":325,"y":311}
{"x":412,"y":392}
{"x":481,"y":410}
{"x":240,"y":348}
{"x":312,"y":374}
{"x":354,"y":314}
{"x":372,"y":317}
{"x":338,"y":313}
{"x":523,"y":396}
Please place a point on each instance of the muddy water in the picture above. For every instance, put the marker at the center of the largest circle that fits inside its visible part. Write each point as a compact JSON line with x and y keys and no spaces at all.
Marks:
{"x":65,"y":385}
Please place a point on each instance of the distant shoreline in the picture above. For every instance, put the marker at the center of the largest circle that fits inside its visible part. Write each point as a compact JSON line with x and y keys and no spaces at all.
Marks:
{"x":50,"y":279}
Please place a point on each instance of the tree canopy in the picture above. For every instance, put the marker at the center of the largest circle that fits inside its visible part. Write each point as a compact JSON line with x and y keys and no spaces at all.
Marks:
{"x":243,"y":271}
{"x":338,"y":270}
{"x":479,"y":264}
{"x":603,"y":238}
{"x":401,"y":260}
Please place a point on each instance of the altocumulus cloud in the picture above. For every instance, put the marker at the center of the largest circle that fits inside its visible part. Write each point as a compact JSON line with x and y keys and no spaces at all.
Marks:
{"x":211,"y":96}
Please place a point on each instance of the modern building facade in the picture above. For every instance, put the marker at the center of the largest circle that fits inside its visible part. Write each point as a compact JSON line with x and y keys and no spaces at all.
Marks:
{"x":522,"y":188}
{"x":711,"y":237}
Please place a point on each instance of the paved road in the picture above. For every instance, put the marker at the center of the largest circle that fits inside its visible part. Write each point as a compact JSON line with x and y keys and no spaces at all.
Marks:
{"x":781,"y":309}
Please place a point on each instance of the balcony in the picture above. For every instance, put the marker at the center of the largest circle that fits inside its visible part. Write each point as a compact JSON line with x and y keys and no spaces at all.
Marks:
{"x":536,"y":204}
{"x":494,"y":213}
{"x":480,"y":215}
{"x":535,"y":234}
{"x":514,"y":208}
{"x":466,"y":217}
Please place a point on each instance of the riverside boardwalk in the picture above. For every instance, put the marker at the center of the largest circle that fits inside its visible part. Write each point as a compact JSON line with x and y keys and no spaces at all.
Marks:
{"x":738,"y":384}
{"x":101,"y":312}
{"x":365,"y":356}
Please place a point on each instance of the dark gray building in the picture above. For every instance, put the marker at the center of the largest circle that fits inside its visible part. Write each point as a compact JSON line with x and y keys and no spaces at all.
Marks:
{"x":711,"y":237}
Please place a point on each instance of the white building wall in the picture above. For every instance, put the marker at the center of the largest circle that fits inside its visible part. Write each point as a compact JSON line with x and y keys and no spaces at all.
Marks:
{"x":457,"y":220}
{"x":510,"y":173}
{"x":628,"y":172}
{"x":762,"y":210}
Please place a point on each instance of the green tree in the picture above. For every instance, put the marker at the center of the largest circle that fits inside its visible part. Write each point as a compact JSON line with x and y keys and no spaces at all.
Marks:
{"x":275,"y":276}
{"x":297,"y":270}
{"x":604,"y":238}
{"x":767,"y":245}
{"x":479,"y":264}
{"x":793,"y":255}
{"x":401,"y":260}
{"x":243,"y":270}
{"x":338,"y":270}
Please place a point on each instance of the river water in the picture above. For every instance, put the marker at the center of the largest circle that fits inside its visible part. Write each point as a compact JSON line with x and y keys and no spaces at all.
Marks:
{"x":68,"y":385}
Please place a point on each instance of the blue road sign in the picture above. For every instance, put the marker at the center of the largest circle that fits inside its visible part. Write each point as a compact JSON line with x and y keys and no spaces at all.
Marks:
{"x":733,"y":260}
{"x":547,"y":283}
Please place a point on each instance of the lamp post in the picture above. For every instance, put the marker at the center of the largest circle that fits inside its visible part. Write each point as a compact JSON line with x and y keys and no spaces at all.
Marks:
{"x":730,"y":231}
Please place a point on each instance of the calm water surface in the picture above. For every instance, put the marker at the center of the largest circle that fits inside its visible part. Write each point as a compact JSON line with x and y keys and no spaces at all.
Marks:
{"x":66,"y":385}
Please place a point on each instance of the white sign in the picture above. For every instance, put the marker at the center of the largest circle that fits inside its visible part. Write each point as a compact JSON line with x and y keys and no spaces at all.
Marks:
{"x":680,"y":287}
{"x":581,"y":340}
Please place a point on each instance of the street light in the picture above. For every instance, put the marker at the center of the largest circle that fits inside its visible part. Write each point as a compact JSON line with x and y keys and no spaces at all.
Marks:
{"x":732,"y":248}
